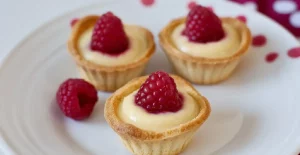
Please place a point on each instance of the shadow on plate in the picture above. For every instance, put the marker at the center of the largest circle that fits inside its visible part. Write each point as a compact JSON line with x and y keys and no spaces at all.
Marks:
{"x":58,"y":121}
{"x":220,"y":128}
{"x":246,"y":134}
{"x":97,"y":116}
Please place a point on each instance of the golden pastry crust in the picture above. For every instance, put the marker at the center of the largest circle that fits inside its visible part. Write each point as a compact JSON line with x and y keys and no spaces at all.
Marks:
{"x":242,"y":29}
{"x":201,"y":70}
{"x":127,"y":130}
{"x":89,"y":21}
{"x":108,"y":78}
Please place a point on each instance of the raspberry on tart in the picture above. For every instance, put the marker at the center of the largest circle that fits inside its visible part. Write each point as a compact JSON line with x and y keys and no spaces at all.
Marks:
{"x":204,"y":48}
{"x":76,"y":98}
{"x":159,"y":94}
{"x":203,"y":26}
{"x":160,"y":112}
{"x":109,"y":35}
{"x":108,"y":52}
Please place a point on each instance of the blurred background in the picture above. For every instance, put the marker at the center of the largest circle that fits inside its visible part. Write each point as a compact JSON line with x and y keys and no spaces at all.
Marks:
{"x":285,"y":12}
{"x":20,"y":17}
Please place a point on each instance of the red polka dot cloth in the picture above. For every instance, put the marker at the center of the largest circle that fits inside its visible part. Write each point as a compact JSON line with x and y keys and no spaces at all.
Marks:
{"x":285,"y":12}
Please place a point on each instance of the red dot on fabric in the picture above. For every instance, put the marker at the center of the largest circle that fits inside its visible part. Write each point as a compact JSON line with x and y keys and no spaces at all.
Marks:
{"x":73,"y":21}
{"x":271,"y":57}
{"x":259,"y":40}
{"x":242,"y":18}
{"x":147,"y":2}
{"x":191,"y":4}
{"x":294,"y":52}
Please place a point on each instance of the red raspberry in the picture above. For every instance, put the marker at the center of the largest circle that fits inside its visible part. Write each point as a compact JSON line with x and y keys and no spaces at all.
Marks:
{"x":202,"y":25}
{"x":159,"y":94}
{"x":109,"y":36}
{"x":76,"y":98}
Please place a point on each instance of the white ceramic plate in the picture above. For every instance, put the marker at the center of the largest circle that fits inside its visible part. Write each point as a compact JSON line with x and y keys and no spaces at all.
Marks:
{"x":256,"y":111}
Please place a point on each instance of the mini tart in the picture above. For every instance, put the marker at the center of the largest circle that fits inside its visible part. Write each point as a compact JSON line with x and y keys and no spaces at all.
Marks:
{"x":107,"y":78}
{"x":202,"y":70}
{"x":142,"y":142}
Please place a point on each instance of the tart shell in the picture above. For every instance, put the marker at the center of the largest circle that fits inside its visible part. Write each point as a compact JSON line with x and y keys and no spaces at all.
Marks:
{"x":142,"y":142}
{"x":202,"y":70}
{"x":107,"y":78}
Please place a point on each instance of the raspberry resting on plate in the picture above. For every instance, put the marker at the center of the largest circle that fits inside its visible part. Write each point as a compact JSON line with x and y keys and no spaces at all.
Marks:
{"x":203,"y":26}
{"x":159,"y":94}
{"x":109,"y":36}
{"x":76,"y":98}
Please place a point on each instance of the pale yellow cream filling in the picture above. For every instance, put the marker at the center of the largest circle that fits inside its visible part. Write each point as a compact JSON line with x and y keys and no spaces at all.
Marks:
{"x":130,"y":113}
{"x":136,"y":50}
{"x":226,"y":47}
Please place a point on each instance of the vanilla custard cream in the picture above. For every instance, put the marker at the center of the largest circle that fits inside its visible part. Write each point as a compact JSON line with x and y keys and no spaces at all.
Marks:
{"x":136,"y":50}
{"x":133,"y":114}
{"x":224,"y":48}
